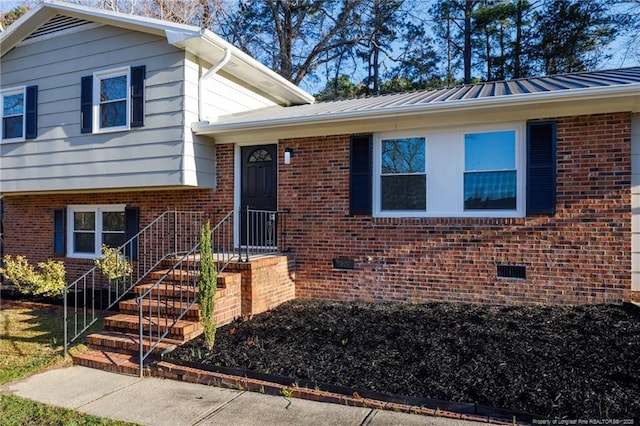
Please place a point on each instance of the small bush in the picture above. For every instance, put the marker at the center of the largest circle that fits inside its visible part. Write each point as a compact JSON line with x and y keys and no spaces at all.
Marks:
{"x":48,"y":280}
{"x":114,"y":266}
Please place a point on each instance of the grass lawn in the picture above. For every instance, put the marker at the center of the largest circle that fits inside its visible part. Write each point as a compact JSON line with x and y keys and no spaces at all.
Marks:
{"x":23,"y":412}
{"x":32,"y":340}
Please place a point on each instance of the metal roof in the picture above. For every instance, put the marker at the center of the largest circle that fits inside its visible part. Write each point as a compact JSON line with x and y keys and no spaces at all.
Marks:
{"x":525,"y":89}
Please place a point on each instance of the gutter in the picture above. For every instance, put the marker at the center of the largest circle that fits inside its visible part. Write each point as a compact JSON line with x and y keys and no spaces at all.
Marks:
{"x":214,"y":69}
{"x":257,"y":67}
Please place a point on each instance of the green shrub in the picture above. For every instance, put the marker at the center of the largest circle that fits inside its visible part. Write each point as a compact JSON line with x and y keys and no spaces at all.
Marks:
{"x":114,"y":266}
{"x":48,"y":280}
{"x":207,"y":286}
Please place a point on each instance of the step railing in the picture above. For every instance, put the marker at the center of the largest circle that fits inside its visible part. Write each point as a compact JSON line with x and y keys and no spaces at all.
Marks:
{"x":88,"y":298}
{"x":265,"y":232}
{"x":177,"y":289}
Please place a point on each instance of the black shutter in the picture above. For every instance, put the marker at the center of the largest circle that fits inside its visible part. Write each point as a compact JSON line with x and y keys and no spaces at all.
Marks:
{"x":131,"y":215}
{"x":31,"y":113}
{"x":137,"y":96}
{"x":541,"y":167}
{"x":59,"y":232}
{"x":360,"y":175}
{"x":86,"y":104}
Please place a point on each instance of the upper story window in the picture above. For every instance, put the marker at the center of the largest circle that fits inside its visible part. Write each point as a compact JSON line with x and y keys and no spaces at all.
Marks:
{"x":19,"y":113}
{"x":450,"y":173}
{"x":112,"y":100}
{"x":13,"y":114}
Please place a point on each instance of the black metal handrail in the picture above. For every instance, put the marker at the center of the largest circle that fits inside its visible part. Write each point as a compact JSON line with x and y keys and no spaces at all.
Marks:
{"x":177,"y":288}
{"x":265,"y":232}
{"x":170,"y":233}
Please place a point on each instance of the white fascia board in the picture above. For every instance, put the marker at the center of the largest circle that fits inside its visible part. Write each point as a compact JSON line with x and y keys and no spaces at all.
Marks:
{"x":24,"y":26}
{"x":463,"y":105}
{"x":210,"y":47}
{"x":298,"y":95}
{"x":107,"y":16}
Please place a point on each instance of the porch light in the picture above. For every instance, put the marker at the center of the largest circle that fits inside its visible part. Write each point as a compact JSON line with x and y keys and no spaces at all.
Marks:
{"x":288,"y":153}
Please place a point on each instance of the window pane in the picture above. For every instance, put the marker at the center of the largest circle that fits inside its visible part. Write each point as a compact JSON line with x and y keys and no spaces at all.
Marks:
{"x":113,"y":88}
{"x":401,"y":156}
{"x":113,"y":239}
{"x":12,"y":127}
{"x":113,"y":114}
{"x":404,"y":192}
{"x":84,"y":221}
{"x":490,"y":190}
{"x":13,"y":104}
{"x":84,"y":242}
{"x":490,"y":151}
{"x":113,"y":221}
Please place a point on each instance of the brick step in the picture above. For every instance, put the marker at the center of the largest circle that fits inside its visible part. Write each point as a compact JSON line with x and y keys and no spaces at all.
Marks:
{"x":172,"y":307}
{"x":126,"y":343}
{"x":169,"y":290}
{"x":194,"y":259}
{"x":185,"y":275}
{"x":191,"y":260}
{"x":183,"y":330}
{"x":108,"y":361}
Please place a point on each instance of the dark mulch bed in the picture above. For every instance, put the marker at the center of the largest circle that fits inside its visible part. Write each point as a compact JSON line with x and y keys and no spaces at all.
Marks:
{"x":572,"y":362}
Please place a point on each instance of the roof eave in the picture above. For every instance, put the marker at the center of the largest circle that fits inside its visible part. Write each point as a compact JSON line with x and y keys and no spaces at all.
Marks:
{"x":458,"y":106}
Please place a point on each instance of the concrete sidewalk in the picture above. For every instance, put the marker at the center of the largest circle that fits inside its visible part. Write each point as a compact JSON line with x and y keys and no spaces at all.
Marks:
{"x":153,"y":401}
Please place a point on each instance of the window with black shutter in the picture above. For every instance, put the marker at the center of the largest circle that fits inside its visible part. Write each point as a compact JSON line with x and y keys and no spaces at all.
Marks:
{"x":541,"y":167}
{"x":360,"y":175}
{"x":132,"y":215}
{"x":59,"y":232}
{"x":31,"y":113}
{"x":137,"y":96}
{"x":105,"y":93}
{"x":86,"y":104}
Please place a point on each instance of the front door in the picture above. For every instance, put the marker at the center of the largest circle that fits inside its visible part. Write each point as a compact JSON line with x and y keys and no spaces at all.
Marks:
{"x":259,"y":196}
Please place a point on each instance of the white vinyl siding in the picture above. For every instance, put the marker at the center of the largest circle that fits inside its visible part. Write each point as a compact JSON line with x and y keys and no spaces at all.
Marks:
{"x":63,"y":158}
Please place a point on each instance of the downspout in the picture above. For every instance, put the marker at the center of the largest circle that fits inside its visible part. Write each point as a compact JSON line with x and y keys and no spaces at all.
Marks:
{"x":214,"y":69}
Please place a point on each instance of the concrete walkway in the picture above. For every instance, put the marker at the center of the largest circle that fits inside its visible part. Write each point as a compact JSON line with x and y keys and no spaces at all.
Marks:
{"x":153,"y":401}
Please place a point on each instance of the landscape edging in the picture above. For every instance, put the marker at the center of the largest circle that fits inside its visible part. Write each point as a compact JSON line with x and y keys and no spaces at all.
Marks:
{"x":170,"y":370}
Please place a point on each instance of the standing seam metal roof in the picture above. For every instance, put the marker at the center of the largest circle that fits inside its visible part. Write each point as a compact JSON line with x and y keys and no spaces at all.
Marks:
{"x":444,"y":96}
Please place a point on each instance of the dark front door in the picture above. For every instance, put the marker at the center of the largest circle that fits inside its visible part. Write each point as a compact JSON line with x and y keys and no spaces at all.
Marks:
{"x":259,"y":196}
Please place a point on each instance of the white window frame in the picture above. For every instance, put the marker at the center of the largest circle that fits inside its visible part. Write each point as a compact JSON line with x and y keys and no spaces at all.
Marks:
{"x":9,"y":92}
{"x":444,"y":151}
{"x":97,"y":77}
{"x":97,"y":210}
{"x":378,"y":174}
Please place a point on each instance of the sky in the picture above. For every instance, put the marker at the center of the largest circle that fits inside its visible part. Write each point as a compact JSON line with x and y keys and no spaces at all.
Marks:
{"x":620,"y":58}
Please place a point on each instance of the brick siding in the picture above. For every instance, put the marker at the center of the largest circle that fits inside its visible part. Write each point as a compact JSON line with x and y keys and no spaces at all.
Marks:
{"x":580,"y":255}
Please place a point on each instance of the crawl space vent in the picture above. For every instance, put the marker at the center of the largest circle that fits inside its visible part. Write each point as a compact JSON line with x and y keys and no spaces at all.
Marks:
{"x":514,"y":272}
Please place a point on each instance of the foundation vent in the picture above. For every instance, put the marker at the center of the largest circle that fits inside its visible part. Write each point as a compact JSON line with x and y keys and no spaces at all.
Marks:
{"x":514,"y":272}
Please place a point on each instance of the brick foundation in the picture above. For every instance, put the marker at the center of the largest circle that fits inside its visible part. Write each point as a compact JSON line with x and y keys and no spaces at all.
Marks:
{"x":580,"y":255}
